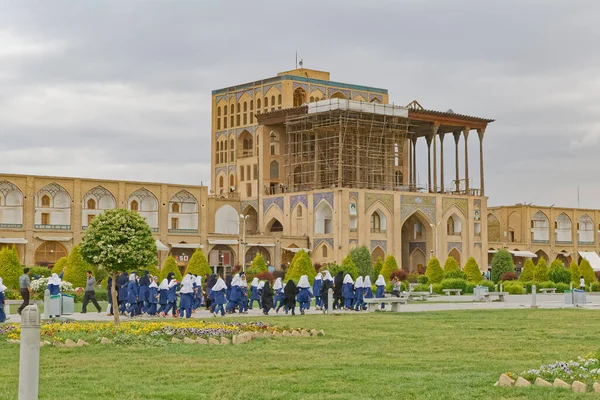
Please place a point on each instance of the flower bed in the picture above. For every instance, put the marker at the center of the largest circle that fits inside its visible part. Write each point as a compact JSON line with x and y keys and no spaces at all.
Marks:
{"x":583,"y":369}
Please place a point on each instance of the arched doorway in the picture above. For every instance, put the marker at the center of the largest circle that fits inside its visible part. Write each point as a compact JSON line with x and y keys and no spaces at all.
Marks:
{"x":417,"y":233}
{"x":323,"y":218}
{"x":456,"y":254}
{"x":493,"y":228}
{"x":254,"y":250}
{"x":299,"y":97}
{"x":274,"y":226}
{"x":564,"y":257}
{"x":417,"y":262}
{"x":288,"y":255}
{"x":220,"y":258}
{"x":377,"y":253}
{"x":48,"y":253}
{"x":542,"y":253}
{"x":251,"y":221}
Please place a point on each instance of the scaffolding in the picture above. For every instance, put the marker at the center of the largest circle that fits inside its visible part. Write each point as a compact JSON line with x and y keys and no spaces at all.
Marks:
{"x":341,"y":143}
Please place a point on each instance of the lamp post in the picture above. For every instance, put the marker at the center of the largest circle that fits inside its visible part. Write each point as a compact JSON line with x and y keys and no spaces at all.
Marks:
{"x":435,"y":228}
{"x":243,"y":218}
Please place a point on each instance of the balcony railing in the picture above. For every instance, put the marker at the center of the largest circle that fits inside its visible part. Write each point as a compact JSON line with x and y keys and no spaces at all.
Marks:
{"x":375,"y":230}
{"x":53,"y":227}
{"x":585,"y":243}
{"x":186,"y":231}
{"x":154,"y":229}
{"x":353,"y":229}
{"x":564,"y":242}
{"x":540,"y":241}
{"x":11,"y":226}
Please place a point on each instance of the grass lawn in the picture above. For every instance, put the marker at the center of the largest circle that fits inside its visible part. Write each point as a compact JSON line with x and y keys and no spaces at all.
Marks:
{"x":429,"y":355}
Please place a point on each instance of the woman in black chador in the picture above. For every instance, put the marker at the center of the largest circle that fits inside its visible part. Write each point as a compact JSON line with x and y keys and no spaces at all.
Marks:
{"x":290,"y":292}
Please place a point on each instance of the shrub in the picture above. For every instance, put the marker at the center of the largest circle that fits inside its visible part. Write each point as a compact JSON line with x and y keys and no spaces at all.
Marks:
{"x":545,"y":285}
{"x":509,"y":276}
{"x":472,"y":270}
{"x":60,"y":265}
{"x":41,"y":272}
{"x":423,"y":279}
{"x":454,"y":283}
{"x":76,"y":268}
{"x":400,"y":274}
{"x":437,"y":287}
{"x":488,"y":284}
{"x":597,"y":275}
{"x":421,"y":288}
{"x":361,"y":256}
{"x":558,"y":273}
{"x":266,"y":276}
{"x":260,"y":265}
{"x":596,"y":287}
{"x":10,"y":267}
{"x":170,"y":266}
{"x":390,"y":265}
{"x":575,"y":273}
{"x":561,"y":287}
{"x":301,"y":265}
{"x":540,"y":274}
{"x":451,"y":265}
{"x":513,"y":287}
{"x":413,"y":277}
{"x":501,"y":262}
{"x":377,"y":268}
{"x":434,"y":271}
{"x":470,"y":287}
{"x":455,"y":274}
{"x":198,"y":264}
{"x":527,"y":271}
{"x":586,"y":270}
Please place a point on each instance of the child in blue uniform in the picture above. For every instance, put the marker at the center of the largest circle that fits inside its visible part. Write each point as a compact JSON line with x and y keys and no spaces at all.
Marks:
{"x":380,"y":292}
{"x":133,"y":291}
{"x":187,"y":296}
{"x":54,"y":285}
{"x":235,"y":295}
{"x":244,"y":297}
{"x":254,"y":293}
{"x":348,"y":291}
{"x":153,"y":296}
{"x":2,"y":302}
{"x":279,"y":296}
{"x":317,"y":291}
{"x":171,"y":295}
{"x":367,"y":291}
{"x":218,"y":293}
{"x":304,"y":294}
{"x":358,"y":294}
{"x":163,"y":290}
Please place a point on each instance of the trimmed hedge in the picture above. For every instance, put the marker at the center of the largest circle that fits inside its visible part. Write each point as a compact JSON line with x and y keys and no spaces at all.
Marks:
{"x":361,"y":256}
{"x":540,"y":274}
{"x":558,"y":273}
{"x":575,"y":273}
{"x":390,"y":265}
{"x":198,"y":264}
{"x":423,"y":279}
{"x":377,"y":268}
{"x":472,"y":270}
{"x":170,"y":266}
{"x":513,"y":287}
{"x":451,"y":265}
{"x":586,"y":270}
{"x":76,"y":267}
{"x":41,"y":272}
{"x":501,"y":262}
{"x":259,"y":265}
{"x":455,"y":274}
{"x":527,"y":271}
{"x":10,"y":267}
{"x":454,"y":283}
{"x":60,"y":265}
{"x":434,"y":270}
{"x":561,"y":287}
{"x":302,"y":265}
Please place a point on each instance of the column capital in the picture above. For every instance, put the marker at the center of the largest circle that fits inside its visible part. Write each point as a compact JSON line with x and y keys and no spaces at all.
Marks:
{"x":466,"y":131}
{"x":456,"y":136}
{"x":429,"y":139}
{"x":441,"y":135}
{"x":434,"y":129}
{"x":480,"y":133}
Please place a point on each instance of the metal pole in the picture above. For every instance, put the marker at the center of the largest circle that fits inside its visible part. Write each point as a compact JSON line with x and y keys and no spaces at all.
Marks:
{"x":533,"y":290}
{"x":29,"y":365}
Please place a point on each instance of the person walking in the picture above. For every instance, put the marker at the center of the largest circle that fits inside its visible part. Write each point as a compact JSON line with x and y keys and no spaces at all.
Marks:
{"x":25,"y":286}
{"x":90,"y":293}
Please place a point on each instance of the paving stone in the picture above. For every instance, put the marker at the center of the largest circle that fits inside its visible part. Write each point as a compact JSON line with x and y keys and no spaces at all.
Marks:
{"x":175,"y":340}
{"x":295,"y":333}
{"x":277,"y":334}
{"x":314,"y":332}
{"x":201,"y":341}
{"x":286,"y":333}
{"x":189,"y":341}
{"x":596,"y":387}
{"x":224,"y":340}
{"x":82,"y":342}
{"x":579,"y":387}
{"x":321,"y":332}
{"x":561,"y":384}
{"x":305,"y":333}
{"x":58,"y":344}
{"x":213,"y":341}
{"x":70,"y":343}
{"x":540,"y":382}
{"x":522,"y":382}
{"x":505,"y":380}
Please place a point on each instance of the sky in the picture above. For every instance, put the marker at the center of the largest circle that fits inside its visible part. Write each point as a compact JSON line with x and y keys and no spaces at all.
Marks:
{"x":122,"y":89}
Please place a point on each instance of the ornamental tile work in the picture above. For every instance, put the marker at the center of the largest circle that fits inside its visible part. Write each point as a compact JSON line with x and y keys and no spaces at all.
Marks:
{"x":222,"y":97}
{"x":268,"y":87}
{"x":456,"y":245}
{"x":257,"y":90}
{"x":477,"y":203}
{"x":462,"y":204}
{"x":317,"y":242}
{"x":477,"y":245}
{"x":353,"y":194}
{"x":332,"y":90}
{"x":380,"y":243}
{"x":417,"y":245}
{"x":355,"y":241}
{"x":301,"y":85}
{"x":251,"y":129}
{"x":425,"y":204}
{"x":240,"y":94}
{"x":219,"y":133}
{"x":298,"y":198}
{"x":269,"y":201}
{"x":363,"y":94}
{"x":246,"y":203}
{"x":376,"y":96}
{"x":327,"y":196}
{"x":220,"y":169}
{"x":386,"y":199}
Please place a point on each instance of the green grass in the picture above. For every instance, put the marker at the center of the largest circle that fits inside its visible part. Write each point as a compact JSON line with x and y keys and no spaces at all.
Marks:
{"x":429,"y":355}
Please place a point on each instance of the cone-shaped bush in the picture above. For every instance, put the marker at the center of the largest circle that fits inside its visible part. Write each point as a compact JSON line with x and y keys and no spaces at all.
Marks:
{"x":472,"y":270}
{"x":60,"y":264}
{"x":389,"y":266}
{"x":377,"y":268}
{"x":451,"y":265}
{"x":10,"y":268}
{"x":558,"y":273}
{"x":170,"y":266}
{"x":434,"y":271}
{"x":575,"y":272}
{"x":258,"y":265}
{"x":540,"y":273}
{"x":198,"y":264}
{"x":527,"y":271}
{"x":301,"y":265}
{"x":363,"y":260}
{"x":586,"y":270}
{"x":501,"y":263}
{"x":76,"y":267}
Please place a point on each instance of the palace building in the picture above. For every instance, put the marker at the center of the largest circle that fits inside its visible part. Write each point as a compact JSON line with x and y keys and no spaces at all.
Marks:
{"x":298,"y":162}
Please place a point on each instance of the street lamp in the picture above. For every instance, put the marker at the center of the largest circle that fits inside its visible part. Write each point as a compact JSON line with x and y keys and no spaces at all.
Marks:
{"x":243,"y":218}
{"x":435,"y":228}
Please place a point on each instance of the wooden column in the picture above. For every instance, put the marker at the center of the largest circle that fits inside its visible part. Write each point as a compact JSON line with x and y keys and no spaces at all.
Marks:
{"x":413,"y":143}
{"x":428,"y":138}
{"x":442,"y":161}
{"x":466,"y":134}
{"x":434,"y":129}
{"x":456,"y":139}
{"x":480,"y":133}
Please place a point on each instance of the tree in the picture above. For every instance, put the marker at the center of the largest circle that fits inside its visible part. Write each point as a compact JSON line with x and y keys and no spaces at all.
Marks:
{"x":501,"y":262}
{"x":558,"y":273}
{"x":434,"y":270}
{"x":60,"y":264}
{"x":119,"y":240}
{"x":76,"y":267}
{"x":389,"y":266}
{"x":363,"y":260}
{"x":259,"y":265}
{"x":540,"y":274}
{"x":377,"y":268}
{"x":575,"y":272}
{"x":527,"y":271}
{"x":198,"y":264}
{"x":349,"y":267}
{"x":451,"y":265}
{"x":586,"y":270}
{"x":472,"y":271}
{"x":10,"y":267}
{"x":170,"y":266}
{"x":301,"y":265}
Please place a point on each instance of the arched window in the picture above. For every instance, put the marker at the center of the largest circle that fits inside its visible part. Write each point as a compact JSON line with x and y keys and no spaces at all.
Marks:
{"x":299,"y":212}
{"x":299,"y":97}
{"x":272,"y":102}
{"x":276,"y":226}
{"x":224,"y":144}
{"x":266,"y":102}
{"x":251,"y":105}
{"x":221,"y":182}
{"x":258,"y":104}
{"x":231,"y":148}
{"x":175,"y":208}
{"x":219,"y":111}
{"x":134,"y":206}
{"x":45,"y":201}
{"x":91,"y":204}
{"x":324,"y":251}
{"x":232,"y":120}
{"x":316,"y":99}
{"x":225,"y":110}
{"x":274,"y":170}
{"x":279,"y":100}
{"x":231,"y":181}
{"x":239,"y":108}
{"x":312,"y":99}
{"x":224,"y":122}
{"x":450,"y":226}
{"x":375,"y":222}
{"x":245,"y":106}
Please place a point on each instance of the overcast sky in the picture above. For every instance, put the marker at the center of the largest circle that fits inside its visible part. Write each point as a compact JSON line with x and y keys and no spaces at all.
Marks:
{"x":121,"y":89}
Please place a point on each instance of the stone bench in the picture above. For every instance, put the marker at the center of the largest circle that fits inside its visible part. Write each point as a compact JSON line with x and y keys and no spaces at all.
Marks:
{"x":488,"y":296}
{"x":455,"y":291}
{"x":8,"y":303}
{"x":417,"y":295}
{"x":393,"y":301}
{"x":548,"y":290}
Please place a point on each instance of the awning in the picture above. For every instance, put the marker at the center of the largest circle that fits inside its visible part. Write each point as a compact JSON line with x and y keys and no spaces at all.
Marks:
{"x":492,"y":251}
{"x":186,"y":245}
{"x":160,"y":246}
{"x":593,"y":258}
{"x":260,"y":245}
{"x":55,"y":238}
{"x":13,"y":240}
{"x":525,"y":254}
{"x":222,"y":241}
{"x":565,"y":253}
{"x":295,"y":249}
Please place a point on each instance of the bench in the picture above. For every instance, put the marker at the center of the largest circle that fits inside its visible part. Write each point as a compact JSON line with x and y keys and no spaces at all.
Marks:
{"x":488,"y":296}
{"x":417,"y":295}
{"x":393,"y":301}
{"x":18,"y":303}
{"x":548,"y":290}
{"x":455,"y":291}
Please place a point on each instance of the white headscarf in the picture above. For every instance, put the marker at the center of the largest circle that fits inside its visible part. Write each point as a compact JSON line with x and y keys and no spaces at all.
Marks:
{"x":2,"y":287}
{"x":243,"y":282}
{"x":173,"y":282}
{"x":54,"y":280}
{"x":348,"y":279}
{"x":164,"y":285}
{"x":187,"y":284}
{"x":132,"y":277}
{"x":261,"y":285}
{"x":153,"y":283}
{"x":359,"y":282}
{"x":303,"y":282}
{"x":220,"y":285}
{"x":236,"y":280}
{"x":380,"y":281}
{"x":367,"y":282}
{"x":327,"y":276}
{"x":278,"y":285}
{"x":198,"y":280}
{"x":318,"y":277}
{"x":254,"y":282}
